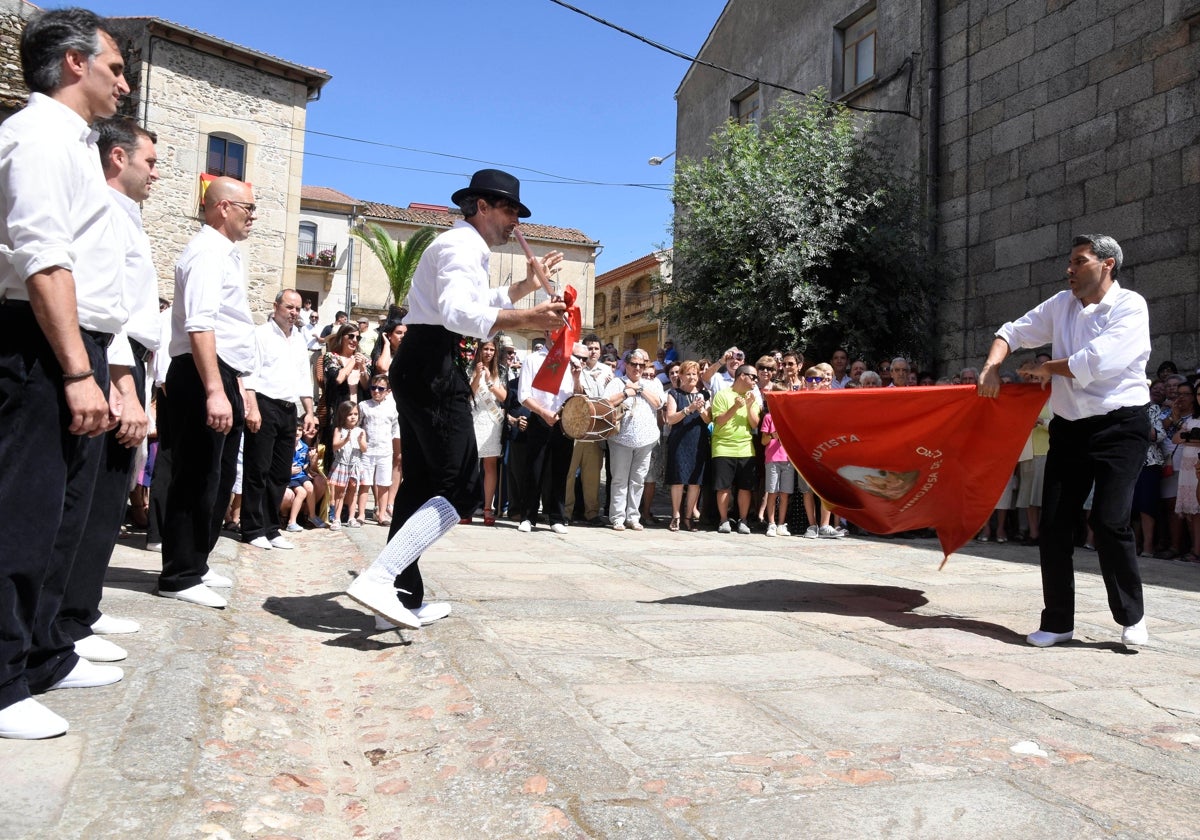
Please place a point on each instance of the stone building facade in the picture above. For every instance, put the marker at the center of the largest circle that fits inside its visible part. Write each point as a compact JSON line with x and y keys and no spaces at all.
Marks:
{"x":192,"y":88}
{"x":1024,"y":122}
{"x":371,"y":293}
{"x":625,"y":299}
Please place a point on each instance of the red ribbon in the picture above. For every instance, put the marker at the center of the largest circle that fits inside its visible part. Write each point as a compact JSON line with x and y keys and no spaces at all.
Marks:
{"x":549,"y":378}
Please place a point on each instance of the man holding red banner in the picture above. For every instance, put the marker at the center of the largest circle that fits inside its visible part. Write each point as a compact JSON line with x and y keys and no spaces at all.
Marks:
{"x":451,"y":303}
{"x":1100,"y":339}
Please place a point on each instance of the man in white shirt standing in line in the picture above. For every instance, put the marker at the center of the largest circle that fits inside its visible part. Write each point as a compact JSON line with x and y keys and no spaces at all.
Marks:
{"x":60,"y":305}
{"x":1100,"y":343}
{"x":130,"y":166}
{"x":548,"y":447}
{"x":280,"y":384}
{"x":212,"y":348}
{"x":451,"y":302}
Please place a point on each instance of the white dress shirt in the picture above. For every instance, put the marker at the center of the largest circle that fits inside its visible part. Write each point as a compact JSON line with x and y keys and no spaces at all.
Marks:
{"x":594,"y":379}
{"x":162,"y":357}
{"x":721,"y":380}
{"x":55,"y":211}
{"x":1106,"y":345}
{"x":282,"y":371}
{"x":551,"y":400}
{"x":210,"y":296}
{"x":450,"y":287}
{"x":140,"y":282}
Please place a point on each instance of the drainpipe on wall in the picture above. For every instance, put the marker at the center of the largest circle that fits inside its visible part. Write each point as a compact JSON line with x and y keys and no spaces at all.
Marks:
{"x":933,"y":110}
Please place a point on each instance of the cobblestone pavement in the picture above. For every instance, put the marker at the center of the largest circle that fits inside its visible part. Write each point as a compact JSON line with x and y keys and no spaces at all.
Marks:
{"x":627,"y":685}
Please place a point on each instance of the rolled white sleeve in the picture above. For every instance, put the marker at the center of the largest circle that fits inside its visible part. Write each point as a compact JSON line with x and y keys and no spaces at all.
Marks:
{"x":38,"y":182}
{"x":1033,"y":329}
{"x":202,"y":293}
{"x":119,"y":352}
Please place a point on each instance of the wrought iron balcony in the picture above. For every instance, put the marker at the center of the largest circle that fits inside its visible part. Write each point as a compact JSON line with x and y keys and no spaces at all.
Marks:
{"x":318,"y":255}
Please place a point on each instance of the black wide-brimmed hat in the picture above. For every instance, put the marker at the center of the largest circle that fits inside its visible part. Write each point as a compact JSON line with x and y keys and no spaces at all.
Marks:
{"x":494,"y":183}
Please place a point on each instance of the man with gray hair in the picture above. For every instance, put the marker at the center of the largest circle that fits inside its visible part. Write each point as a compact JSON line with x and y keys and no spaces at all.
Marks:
{"x":899,"y":370}
{"x":968,"y":376}
{"x":1100,"y":343}
{"x":61,"y":303}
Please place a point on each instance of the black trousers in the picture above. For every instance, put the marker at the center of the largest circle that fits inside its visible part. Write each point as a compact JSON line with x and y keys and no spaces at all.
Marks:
{"x":46,"y":486}
{"x":161,"y":478}
{"x":81,"y":602}
{"x":547,"y":459}
{"x":203,"y":470}
{"x":1109,"y":450}
{"x":437,"y":435}
{"x":267,"y":468}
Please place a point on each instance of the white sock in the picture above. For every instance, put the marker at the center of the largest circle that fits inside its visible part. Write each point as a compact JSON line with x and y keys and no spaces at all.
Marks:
{"x":427,"y":525}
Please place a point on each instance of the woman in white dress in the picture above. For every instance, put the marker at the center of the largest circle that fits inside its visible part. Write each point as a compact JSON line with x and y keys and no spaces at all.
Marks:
{"x":489,"y":395}
{"x":1187,"y":438}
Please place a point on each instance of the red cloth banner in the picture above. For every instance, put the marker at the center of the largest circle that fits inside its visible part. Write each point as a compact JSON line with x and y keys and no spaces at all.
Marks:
{"x":900,"y":459}
{"x":550,"y":375}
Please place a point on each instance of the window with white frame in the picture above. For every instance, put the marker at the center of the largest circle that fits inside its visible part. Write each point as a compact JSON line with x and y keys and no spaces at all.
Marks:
{"x":858,"y":49}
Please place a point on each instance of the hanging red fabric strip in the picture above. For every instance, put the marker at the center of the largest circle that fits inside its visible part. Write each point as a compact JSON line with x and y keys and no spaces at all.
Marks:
{"x":901,"y":459}
{"x":551,"y":374}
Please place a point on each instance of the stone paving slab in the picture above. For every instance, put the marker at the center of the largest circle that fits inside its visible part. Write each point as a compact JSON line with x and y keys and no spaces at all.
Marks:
{"x":603,"y":684}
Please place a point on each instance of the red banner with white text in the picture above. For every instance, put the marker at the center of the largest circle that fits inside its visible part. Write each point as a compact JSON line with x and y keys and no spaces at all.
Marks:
{"x":901,"y":459}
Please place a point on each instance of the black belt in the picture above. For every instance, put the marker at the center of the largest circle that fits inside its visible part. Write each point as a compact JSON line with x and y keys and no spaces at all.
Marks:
{"x":281,"y":403}
{"x":101,"y":338}
{"x":141,"y":351}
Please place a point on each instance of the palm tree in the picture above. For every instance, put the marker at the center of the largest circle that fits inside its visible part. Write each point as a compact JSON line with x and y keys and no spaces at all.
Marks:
{"x":399,"y":259}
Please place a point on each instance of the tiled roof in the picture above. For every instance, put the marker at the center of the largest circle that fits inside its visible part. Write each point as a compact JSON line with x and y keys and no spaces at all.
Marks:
{"x":326,"y":194}
{"x":445,"y":219}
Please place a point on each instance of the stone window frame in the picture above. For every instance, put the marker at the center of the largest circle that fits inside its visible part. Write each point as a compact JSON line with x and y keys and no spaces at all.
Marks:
{"x":746,"y":107}
{"x":226,"y":138}
{"x":849,"y":36}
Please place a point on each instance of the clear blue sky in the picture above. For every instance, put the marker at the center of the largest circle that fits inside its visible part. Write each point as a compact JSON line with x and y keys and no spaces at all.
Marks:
{"x":520,"y":84}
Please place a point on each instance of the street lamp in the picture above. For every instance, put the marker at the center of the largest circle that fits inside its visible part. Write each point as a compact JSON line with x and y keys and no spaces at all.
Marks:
{"x":658,"y":161}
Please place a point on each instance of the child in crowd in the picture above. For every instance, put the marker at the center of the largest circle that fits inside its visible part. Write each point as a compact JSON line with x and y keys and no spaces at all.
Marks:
{"x":300,"y":493}
{"x":382,"y":425}
{"x":349,"y":444}
{"x":780,"y":476}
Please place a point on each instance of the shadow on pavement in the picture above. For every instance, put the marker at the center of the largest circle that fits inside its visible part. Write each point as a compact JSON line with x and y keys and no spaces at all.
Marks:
{"x":889,"y":604}
{"x":321,"y":613}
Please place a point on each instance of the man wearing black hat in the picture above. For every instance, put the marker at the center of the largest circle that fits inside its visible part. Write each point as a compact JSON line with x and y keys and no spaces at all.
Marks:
{"x":451,"y":304}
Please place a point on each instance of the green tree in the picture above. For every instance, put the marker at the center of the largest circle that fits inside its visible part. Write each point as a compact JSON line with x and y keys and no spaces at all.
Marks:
{"x":798,"y":234}
{"x":399,"y":259}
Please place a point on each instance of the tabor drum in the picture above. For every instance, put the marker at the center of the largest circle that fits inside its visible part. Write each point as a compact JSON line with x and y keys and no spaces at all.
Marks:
{"x":588,"y":419}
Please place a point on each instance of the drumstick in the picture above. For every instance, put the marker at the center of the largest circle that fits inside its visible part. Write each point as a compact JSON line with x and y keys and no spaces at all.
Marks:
{"x":539,"y":270}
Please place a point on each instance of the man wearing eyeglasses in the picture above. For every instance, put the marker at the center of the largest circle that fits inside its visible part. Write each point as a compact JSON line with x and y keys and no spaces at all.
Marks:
{"x":212,"y":348}
{"x":727,"y":374}
{"x":281,"y":383}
